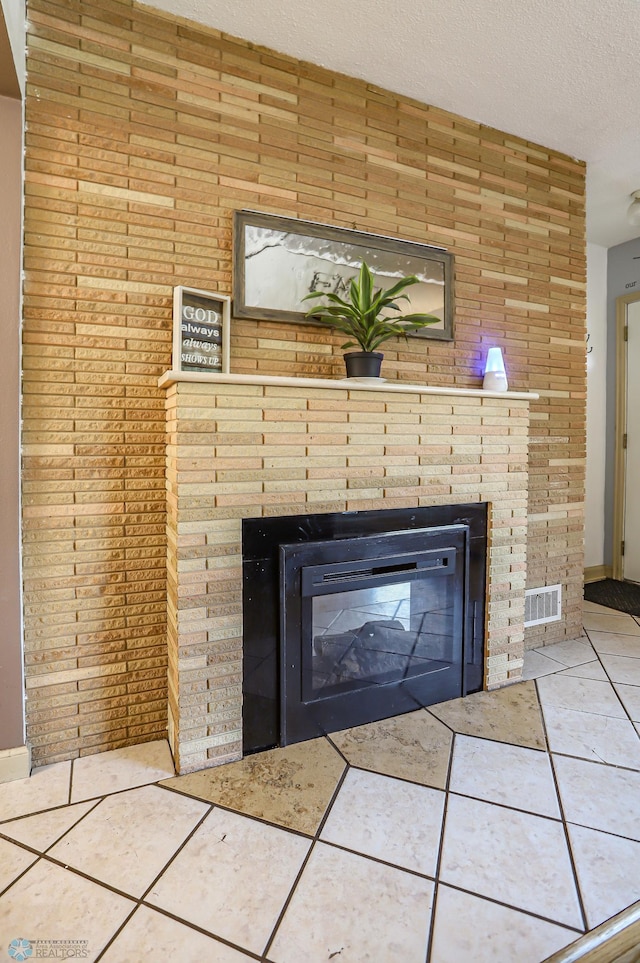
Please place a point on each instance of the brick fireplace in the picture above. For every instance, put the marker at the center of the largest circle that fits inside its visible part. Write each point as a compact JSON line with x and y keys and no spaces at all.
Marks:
{"x":243,"y":446}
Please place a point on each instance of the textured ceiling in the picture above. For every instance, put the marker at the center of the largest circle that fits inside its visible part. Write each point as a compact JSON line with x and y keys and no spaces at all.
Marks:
{"x":561,"y":73}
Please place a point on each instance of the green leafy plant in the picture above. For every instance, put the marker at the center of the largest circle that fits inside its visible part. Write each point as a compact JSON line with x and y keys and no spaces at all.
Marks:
{"x":364,"y":317}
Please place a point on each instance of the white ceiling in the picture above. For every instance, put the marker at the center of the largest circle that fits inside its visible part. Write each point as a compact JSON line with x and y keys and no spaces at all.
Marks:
{"x":561,"y":73}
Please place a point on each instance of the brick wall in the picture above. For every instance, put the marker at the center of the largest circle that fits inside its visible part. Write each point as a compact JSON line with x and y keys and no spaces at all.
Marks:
{"x":144,"y":134}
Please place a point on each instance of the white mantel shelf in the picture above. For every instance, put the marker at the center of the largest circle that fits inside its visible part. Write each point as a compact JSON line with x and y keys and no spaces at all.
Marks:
{"x":353,"y":384}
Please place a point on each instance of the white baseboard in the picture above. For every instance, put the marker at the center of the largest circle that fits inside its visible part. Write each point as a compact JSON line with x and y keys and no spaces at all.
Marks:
{"x":15,"y":763}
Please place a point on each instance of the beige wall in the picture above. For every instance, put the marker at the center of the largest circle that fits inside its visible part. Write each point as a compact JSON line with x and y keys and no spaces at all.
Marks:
{"x":11,"y":711}
{"x":144,"y":135}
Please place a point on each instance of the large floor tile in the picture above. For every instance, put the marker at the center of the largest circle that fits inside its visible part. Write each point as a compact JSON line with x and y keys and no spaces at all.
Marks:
{"x":608,"y":869}
{"x":415,"y":746}
{"x":609,"y":643}
{"x":391,"y":820}
{"x":592,"y":736}
{"x":630,"y":697}
{"x":291,"y":787}
{"x":567,"y":692}
{"x":610,"y":622}
{"x":120,"y":769}
{"x":148,"y":822}
{"x":352,"y":909}
{"x":152,"y":936}
{"x":232,"y":878}
{"x":44,"y":829}
{"x":596,"y":607}
{"x":570,"y":652}
{"x":510,"y":856}
{"x":500,"y":773}
{"x":620,"y":669}
{"x":589,"y":670}
{"x":600,"y":797}
{"x":45,"y":788}
{"x":469,"y":929}
{"x":536,"y":664}
{"x":13,"y":861}
{"x":511,"y":714}
{"x":49,"y":903}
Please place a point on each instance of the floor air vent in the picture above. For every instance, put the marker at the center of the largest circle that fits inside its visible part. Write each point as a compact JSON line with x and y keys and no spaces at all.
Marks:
{"x":542,"y":605}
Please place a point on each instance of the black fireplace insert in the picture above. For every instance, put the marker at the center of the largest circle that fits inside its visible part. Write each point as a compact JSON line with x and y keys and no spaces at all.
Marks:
{"x":358,"y":616}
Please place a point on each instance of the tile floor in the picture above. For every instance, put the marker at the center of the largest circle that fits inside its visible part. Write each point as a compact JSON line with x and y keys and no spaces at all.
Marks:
{"x":495,"y":828}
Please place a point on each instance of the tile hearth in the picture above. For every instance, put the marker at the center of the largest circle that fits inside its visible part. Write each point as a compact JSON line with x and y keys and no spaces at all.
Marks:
{"x":495,"y":828}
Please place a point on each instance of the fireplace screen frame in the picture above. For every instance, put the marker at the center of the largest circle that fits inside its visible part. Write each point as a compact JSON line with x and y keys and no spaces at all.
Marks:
{"x":312,"y":570}
{"x":261,"y":541}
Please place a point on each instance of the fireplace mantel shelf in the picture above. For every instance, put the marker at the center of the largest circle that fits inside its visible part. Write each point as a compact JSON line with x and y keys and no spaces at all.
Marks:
{"x":353,"y":384}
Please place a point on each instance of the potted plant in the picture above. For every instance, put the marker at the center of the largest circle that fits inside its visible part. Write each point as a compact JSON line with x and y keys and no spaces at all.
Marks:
{"x":367,"y":320}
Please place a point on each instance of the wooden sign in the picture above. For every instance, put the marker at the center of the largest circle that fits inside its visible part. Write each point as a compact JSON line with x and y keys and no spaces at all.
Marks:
{"x":200,"y":330}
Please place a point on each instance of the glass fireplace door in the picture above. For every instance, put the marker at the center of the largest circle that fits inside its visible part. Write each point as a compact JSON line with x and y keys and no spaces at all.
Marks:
{"x":370,"y":622}
{"x":402,"y":627}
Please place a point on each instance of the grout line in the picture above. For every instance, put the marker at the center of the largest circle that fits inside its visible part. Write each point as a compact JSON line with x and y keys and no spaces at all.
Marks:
{"x":378,"y":859}
{"x":511,"y":906}
{"x":240,"y":812}
{"x":119,"y":792}
{"x":441,"y":721}
{"x":214,"y":937}
{"x":597,"y":762}
{"x":565,"y":830}
{"x":501,"y":742}
{"x":617,"y":694}
{"x":24,"y":871}
{"x":38,"y":812}
{"x":500,"y":805}
{"x":117,"y":933}
{"x":182,"y":845}
{"x":445,"y":811}
{"x":49,"y":858}
{"x":141,"y":901}
{"x":96,"y":799}
{"x":316,"y":838}
{"x":287,"y":902}
{"x":77,"y":823}
{"x":25,"y":846}
{"x":331,"y":802}
{"x":337,"y":749}
{"x":402,"y":779}
{"x":604,"y":832}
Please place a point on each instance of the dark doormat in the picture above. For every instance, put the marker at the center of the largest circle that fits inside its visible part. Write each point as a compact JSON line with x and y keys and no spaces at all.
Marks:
{"x":624,"y":596}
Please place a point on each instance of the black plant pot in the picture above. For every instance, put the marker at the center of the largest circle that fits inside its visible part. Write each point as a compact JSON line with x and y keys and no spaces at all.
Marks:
{"x":363,"y":364}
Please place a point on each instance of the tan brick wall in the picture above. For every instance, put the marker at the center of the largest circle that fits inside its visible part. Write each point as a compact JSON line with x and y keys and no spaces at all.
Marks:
{"x":144,"y":134}
{"x":237,"y":450}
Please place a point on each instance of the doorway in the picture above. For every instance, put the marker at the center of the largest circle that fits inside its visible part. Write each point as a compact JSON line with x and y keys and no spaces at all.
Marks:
{"x":626,"y":535}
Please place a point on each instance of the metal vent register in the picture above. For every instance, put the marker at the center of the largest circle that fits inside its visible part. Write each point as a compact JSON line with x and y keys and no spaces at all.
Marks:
{"x":542,"y":605}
